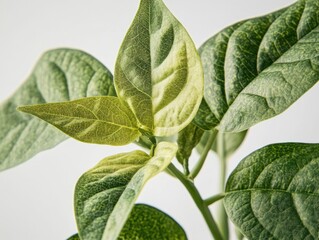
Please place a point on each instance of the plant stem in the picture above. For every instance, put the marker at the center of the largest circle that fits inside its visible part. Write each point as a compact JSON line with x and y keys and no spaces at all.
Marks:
{"x":214,"y":199}
{"x":221,"y":151}
{"x":203,"y":208}
{"x":201,"y":160}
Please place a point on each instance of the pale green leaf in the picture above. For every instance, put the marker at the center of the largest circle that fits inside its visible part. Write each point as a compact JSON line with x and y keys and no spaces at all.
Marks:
{"x":101,"y":120}
{"x":257,"y":68}
{"x":146,"y":222}
{"x":105,"y":195}
{"x":274,"y":193}
{"x":60,"y":75}
{"x":158,"y":71}
{"x":232,"y":142}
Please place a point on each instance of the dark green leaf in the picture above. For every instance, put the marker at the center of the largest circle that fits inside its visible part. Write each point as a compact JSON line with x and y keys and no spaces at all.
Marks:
{"x":256,"y":69}
{"x":60,"y":75}
{"x":102,"y":120}
{"x":187,"y":140}
{"x":105,"y":195}
{"x":146,"y":222}
{"x":232,"y":142}
{"x":158,"y":72}
{"x":74,"y":237}
{"x":204,"y":117}
{"x":274,"y":193}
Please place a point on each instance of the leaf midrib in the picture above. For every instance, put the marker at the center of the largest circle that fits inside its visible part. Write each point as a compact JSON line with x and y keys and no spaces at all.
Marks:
{"x":275,"y":62}
{"x":92,"y":119}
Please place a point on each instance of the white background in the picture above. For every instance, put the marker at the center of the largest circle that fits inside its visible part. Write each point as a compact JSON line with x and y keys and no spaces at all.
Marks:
{"x":36,"y":198}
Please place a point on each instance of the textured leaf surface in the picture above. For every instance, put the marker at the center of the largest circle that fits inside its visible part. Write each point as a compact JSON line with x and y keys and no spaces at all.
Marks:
{"x":74,"y":237}
{"x":158,"y":72}
{"x":146,"y":222}
{"x":187,"y":140}
{"x":204,"y":117}
{"x":60,"y":75}
{"x":102,"y":120}
{"x":274,"y":193}
{"x":257,"y":68}
{"x":232,"y":142}
{"x":105,"y":195}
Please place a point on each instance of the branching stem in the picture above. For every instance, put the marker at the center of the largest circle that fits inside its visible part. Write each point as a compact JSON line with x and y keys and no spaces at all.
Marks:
{"x":201,"y":205}
{"x":201,"y":160}
{"x":214,"y":199}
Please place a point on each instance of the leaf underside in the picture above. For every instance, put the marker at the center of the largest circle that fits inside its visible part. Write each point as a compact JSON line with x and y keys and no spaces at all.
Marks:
{"x":257,"y":68}
{"x":158,"y":72}
{"x":105,"y":195}
{"x":60,"y":75}
{"x":274,"y":193}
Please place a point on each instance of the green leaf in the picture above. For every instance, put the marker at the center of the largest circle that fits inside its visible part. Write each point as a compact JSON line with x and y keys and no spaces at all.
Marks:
{"x":105,"y":195}
{"x":146,"y":222}
{"x":187,"y":140}
{"x":102,"y":120}
{"x":60,"y":75}
{"x":274,"y":193}
{"x":232,"y":142}
{"x":256,"y":69}
{"x":158,"y":72}
{"x":204,"y":118}
{"x":74,"y":237}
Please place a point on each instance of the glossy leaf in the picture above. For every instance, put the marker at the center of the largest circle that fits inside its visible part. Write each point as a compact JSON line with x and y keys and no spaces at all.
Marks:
{"x":105,"y":195}
{"x":102,"y":120}
{"x":158,"y":72}
{"x":257,"y":68}
{"x":187,"y":140}
{"x":232,"y":142}
{"x":146,"y":222}
{"x":274,"y":193}
{"x":60,"y":75}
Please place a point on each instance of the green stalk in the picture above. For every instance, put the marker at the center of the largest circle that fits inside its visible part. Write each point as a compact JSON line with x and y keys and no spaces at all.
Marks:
{"x":201,"y":160}
{"x":221,"y":151}
{"x":201,"y":205}
{"x":214,"y":199}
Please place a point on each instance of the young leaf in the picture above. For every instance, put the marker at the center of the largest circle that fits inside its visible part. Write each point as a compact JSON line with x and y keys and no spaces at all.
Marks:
{"x":256,"y":69}
{"x":105,"y":195}
{"x":146,"y":222}
{"x":60,"y":75}
{"x":102,"y":120}
{"x":187,"y":140}
{"x":158,"y":72}
{"x":273,"y":193}
{"x":232,"y":142}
